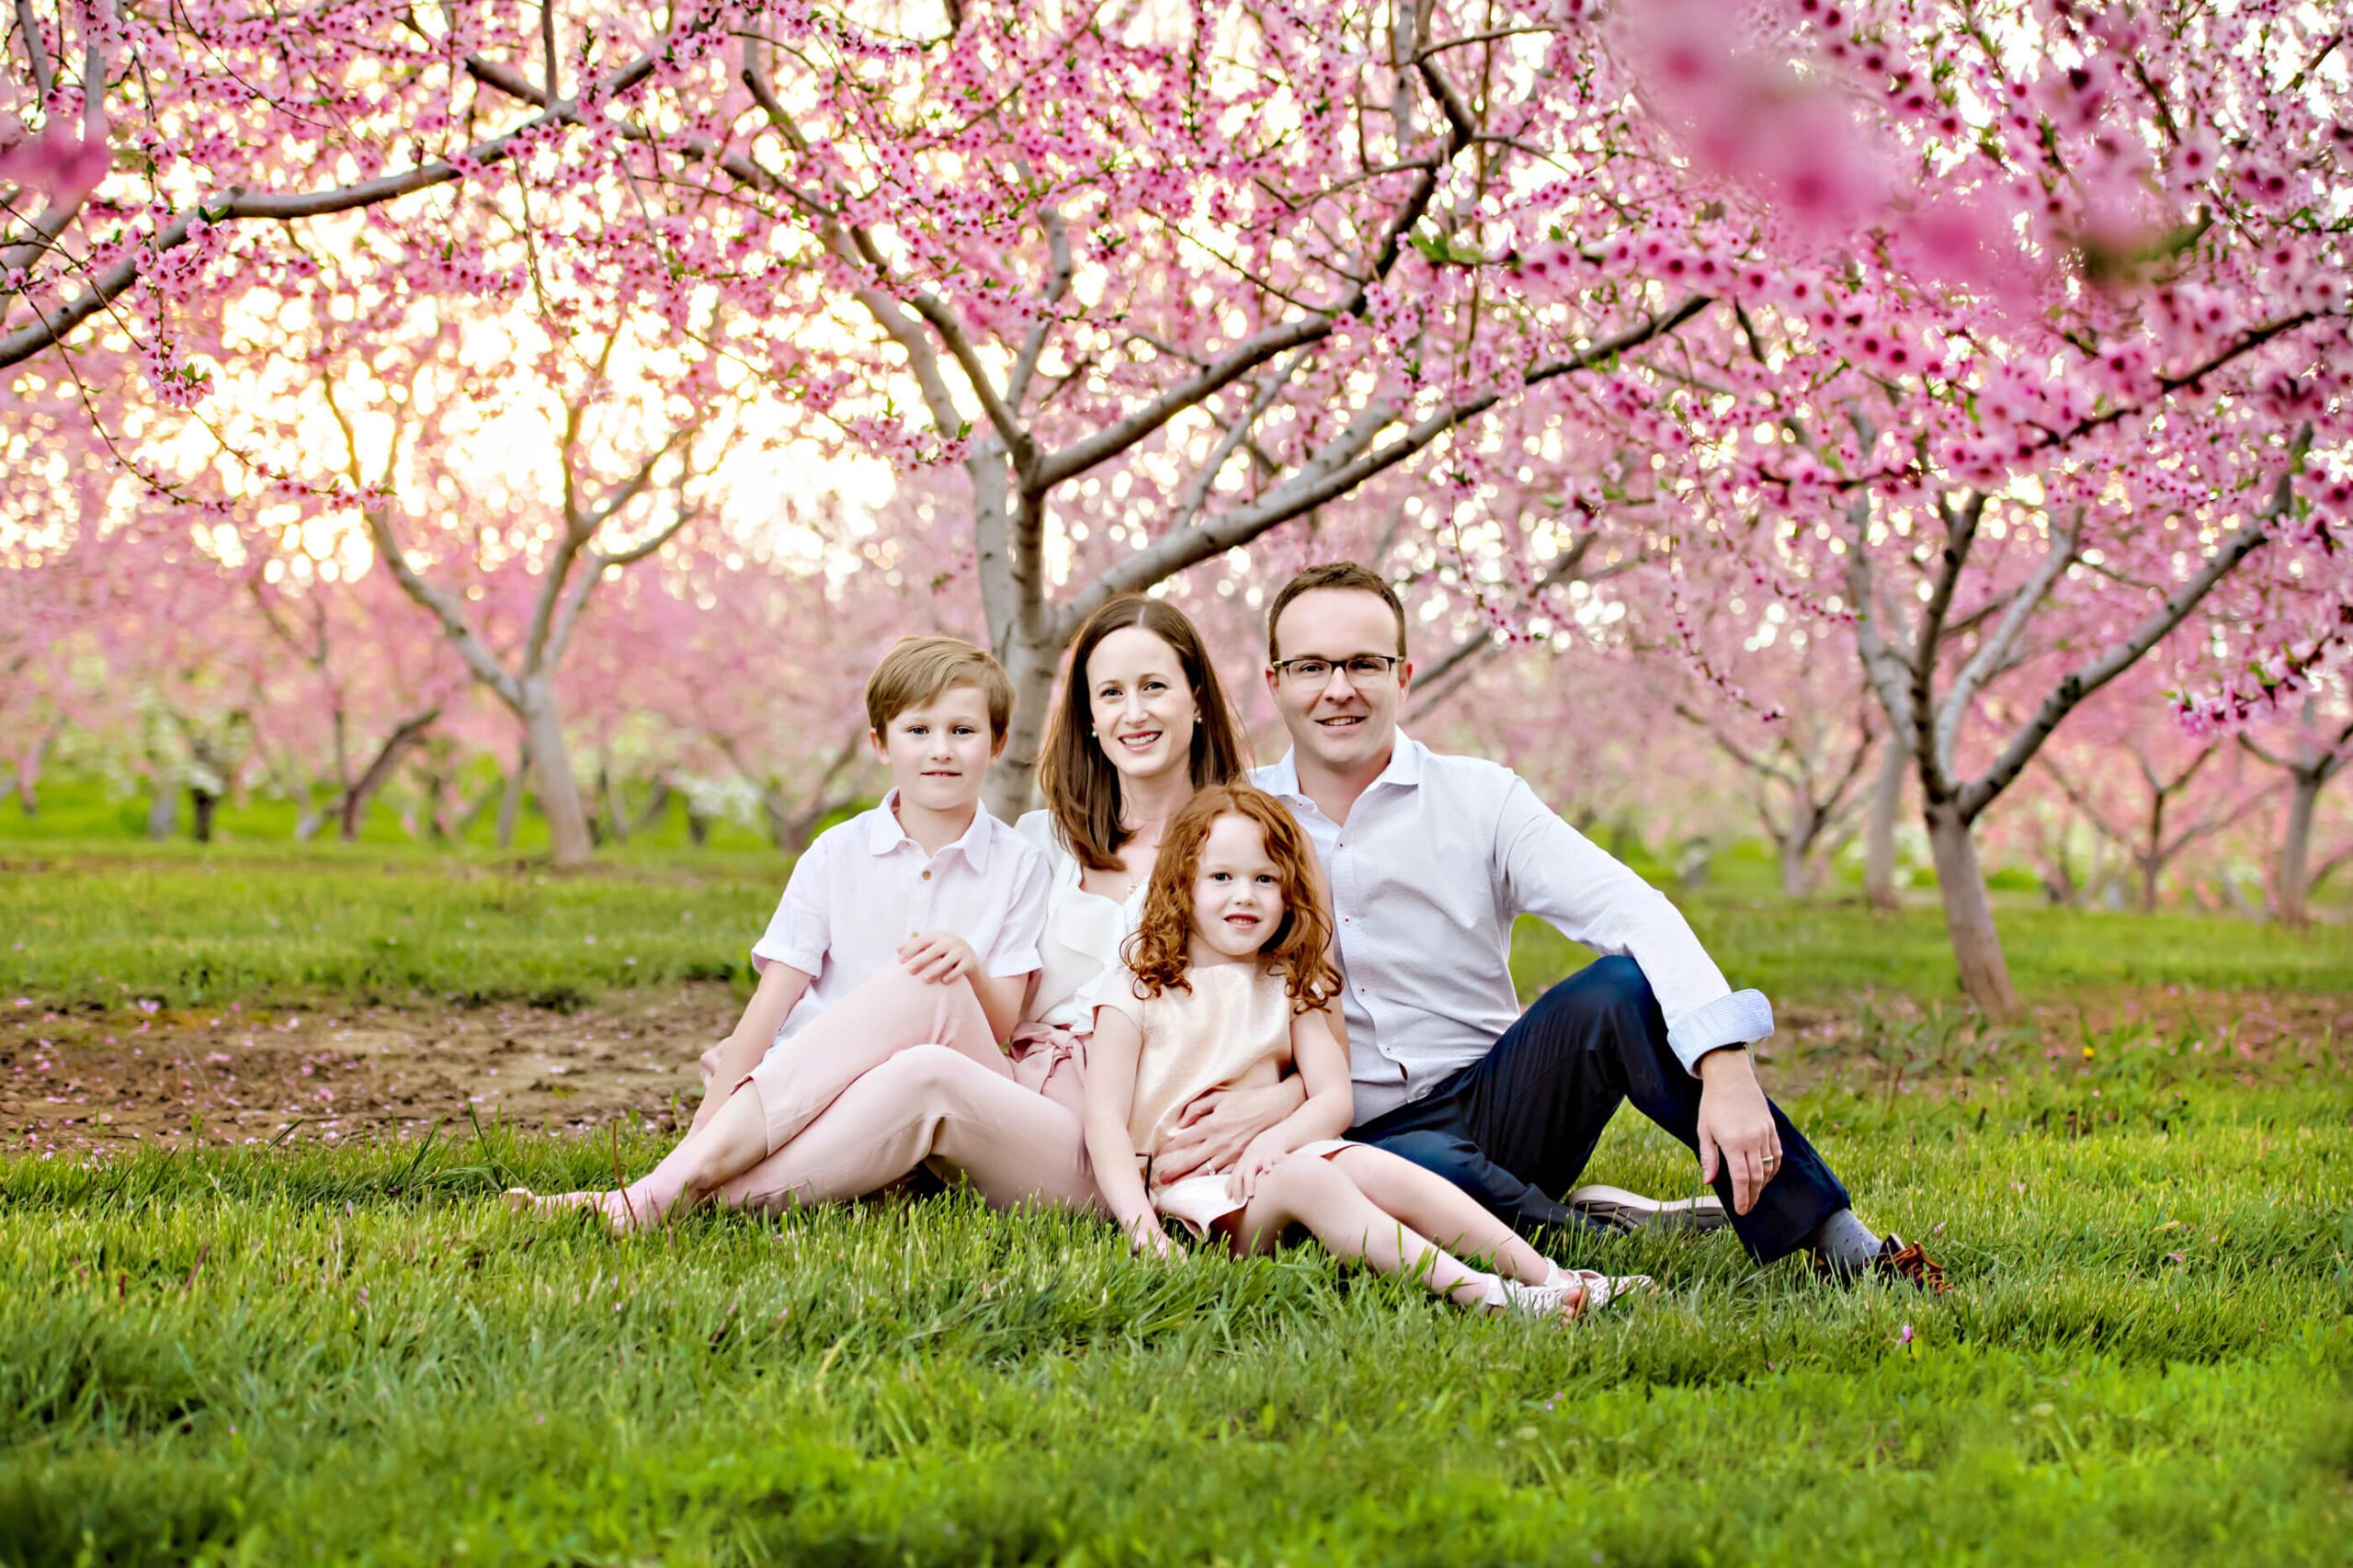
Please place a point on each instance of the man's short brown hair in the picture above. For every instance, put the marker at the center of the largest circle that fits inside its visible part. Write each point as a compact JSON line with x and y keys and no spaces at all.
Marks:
{"x":1336,"y":575}
{"x":918,"y":670}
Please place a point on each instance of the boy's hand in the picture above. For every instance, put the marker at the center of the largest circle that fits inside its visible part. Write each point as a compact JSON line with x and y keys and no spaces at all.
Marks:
{"x":938,"y":956}
{"x":1256,"y":1160}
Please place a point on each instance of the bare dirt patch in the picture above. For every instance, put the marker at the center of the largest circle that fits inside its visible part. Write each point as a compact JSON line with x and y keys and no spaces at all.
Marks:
{"x":74,"y":1081}
{"x":115,"y":1078}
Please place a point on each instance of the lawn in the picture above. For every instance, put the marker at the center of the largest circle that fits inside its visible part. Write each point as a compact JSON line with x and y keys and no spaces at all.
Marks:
{"x":349,"y":1351}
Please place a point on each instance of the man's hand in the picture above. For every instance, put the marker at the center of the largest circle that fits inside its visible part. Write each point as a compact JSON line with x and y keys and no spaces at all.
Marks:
{"x":1215,"y":1128}
{"x":1737,"y":1124}
{"x":938,"y":956}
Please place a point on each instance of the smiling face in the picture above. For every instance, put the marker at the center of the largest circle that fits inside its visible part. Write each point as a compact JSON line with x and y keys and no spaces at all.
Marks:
{"x":1237,"y":892}
{"x":1341,"y":724}
{"x":1139,"y":704}
{"x":938,"y":752}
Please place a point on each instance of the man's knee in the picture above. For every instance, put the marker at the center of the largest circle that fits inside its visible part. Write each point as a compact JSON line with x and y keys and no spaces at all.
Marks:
{"x":1613,"y":988}
{"x":1447,"y":1155}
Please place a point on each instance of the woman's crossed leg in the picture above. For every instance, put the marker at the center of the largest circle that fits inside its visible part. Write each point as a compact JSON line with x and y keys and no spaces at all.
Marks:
{"x":795,"y":1083}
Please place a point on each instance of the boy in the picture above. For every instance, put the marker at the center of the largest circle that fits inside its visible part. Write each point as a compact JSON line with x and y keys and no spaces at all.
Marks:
{"x":927,"y":887}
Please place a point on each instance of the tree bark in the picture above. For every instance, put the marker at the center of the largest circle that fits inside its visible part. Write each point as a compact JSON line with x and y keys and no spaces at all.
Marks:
{"x":163,"y":809}
{"x":202,"y":803}
{"x":356,"y":796}
{"x":568,"y":840}
{"x":1032,"y":661}
{"x":1797,"y":865}
{"x":1969,"y":912}
{"x":2294,"y":874}
{"x":1878,"y":844}
{"x":657,"y":806}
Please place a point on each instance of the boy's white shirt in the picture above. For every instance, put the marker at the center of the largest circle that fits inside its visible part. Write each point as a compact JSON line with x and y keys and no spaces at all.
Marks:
{"x":865,"y":886}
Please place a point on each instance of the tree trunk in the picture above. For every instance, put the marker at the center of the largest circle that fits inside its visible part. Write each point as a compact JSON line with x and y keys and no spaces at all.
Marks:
{"x":26,"y":784}
{"x":356,"y":795}
{"x":1969,"y":912}
{"x":477,"y":808}
{"x":611,"y":809}
{"x":2294,"y":874}
{"x":203,"y":802}
{"x":163,"y":809}
{"x":1797,"y":866}
{"x":697,"y":827}
{"x":1878,"y":844}
{"x":568,"y":840}
{"x":1012,"y":787}
{"x":657,"y":806}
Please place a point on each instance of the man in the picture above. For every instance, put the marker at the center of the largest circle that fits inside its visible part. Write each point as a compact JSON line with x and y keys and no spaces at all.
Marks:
{"x":1431,"y":859}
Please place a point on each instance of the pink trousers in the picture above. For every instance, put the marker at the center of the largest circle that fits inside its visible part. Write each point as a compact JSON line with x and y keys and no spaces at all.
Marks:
{"x":900,"y":1075}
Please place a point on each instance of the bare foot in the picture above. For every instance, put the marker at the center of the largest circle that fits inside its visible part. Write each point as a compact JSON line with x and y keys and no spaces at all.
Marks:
{"x":622,"y":1211}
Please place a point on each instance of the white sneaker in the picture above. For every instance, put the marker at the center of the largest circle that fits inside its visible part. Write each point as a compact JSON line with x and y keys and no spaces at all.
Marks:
{"x":1546,"y":1300}
{"x":1600,"y":1290}
{"x":1535,"y":1300}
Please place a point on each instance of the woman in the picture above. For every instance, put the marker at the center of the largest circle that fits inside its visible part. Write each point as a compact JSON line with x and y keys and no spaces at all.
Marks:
{"x":1142,"y":722}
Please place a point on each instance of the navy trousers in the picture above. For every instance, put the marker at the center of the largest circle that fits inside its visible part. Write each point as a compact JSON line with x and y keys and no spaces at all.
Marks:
{"x":1518,"y":1126}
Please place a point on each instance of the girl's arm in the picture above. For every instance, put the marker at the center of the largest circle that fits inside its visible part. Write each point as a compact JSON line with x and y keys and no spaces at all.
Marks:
{"x":780,"y":989}
{"x":1111,"y":1052}
{"x":1323,"y":1064}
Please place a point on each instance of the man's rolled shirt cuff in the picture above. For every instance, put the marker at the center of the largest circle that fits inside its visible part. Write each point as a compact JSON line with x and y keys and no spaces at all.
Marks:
{"x":1742,"y":1018}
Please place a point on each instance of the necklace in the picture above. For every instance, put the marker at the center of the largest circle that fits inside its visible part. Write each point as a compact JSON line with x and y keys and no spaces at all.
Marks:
{"x":1128,"y":876}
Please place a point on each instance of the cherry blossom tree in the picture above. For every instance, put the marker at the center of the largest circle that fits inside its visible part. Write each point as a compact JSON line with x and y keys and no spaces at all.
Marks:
{"x":2144,"y":785}
{"x":2038,"y":307}
{"x":2095,"y":386}
{"x":2312,"y":745}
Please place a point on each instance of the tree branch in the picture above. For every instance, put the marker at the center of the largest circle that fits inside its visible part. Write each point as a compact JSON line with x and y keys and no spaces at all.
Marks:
{"x":2088,"y":678}
{"x":1344,"y":465}
{"x":238,"y":205}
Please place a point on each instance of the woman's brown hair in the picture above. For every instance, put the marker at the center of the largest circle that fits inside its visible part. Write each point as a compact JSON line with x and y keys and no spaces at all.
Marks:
{"x":1081,"y":787}
{"x":1299,"y":951}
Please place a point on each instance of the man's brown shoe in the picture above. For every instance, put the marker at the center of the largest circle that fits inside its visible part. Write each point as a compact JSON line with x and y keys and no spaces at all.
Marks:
{"x":1896,"y":1259}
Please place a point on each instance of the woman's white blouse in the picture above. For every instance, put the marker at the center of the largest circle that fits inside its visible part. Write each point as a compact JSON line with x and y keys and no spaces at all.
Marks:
{"x":1083,"y":931}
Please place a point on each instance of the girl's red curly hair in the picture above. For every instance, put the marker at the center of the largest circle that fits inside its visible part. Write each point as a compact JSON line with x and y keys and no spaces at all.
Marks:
{"x":1299,"y":950}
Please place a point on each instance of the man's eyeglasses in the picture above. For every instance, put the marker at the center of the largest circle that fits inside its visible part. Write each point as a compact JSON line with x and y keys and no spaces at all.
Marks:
{"x":1363,"y":669}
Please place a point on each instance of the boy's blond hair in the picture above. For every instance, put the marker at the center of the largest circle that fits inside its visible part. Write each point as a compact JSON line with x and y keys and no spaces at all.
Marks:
{"x":918,"y":670}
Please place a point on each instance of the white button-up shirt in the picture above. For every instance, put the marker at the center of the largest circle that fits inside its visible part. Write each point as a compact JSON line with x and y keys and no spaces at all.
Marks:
{"x":1437,"y":859}
{"x":864,"y":887}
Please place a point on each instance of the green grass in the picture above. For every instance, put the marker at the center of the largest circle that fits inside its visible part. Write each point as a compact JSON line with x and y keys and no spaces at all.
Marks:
{"x":309,"y":1355}
{"x":318,"y":1353}
{"x":274,"y":923}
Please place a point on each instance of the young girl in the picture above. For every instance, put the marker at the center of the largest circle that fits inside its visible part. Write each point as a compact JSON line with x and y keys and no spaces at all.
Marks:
{"x":1225,"y":983}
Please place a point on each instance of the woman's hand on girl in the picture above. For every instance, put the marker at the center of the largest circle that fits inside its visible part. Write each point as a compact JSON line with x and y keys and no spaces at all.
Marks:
{"x":938,"y":956}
